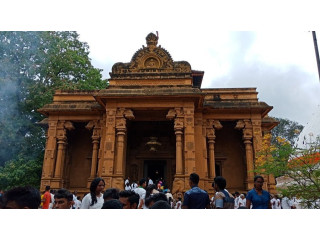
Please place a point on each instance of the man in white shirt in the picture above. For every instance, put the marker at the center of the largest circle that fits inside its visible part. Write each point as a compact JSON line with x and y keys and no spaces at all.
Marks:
{"x":142,"y":193}
{"x":150,"y":181}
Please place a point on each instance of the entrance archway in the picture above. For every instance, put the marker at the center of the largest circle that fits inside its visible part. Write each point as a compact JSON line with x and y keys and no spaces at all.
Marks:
{"x":155,"y":169}
{"x":142,"y":161}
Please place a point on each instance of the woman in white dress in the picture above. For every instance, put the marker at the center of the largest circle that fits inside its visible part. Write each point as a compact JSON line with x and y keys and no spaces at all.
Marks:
{"x":94,"y":199}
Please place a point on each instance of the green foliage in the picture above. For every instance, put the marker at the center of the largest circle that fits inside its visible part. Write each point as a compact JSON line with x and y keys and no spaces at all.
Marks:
{"x":289,"y":130}
{"x":32,"y":66}
{"x":21,"y":172}
{"x":301,"y":167}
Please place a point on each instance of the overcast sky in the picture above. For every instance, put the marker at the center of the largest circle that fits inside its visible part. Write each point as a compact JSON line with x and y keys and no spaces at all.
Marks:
{"x":276,"y":55}
{"x":280,"y":64}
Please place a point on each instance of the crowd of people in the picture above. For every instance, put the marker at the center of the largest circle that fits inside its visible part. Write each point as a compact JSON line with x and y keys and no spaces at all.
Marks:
{"x":145,"y":195}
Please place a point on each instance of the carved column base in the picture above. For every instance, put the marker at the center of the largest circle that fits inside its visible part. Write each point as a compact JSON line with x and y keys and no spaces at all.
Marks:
{"x":118,"y":182}
{"x":56,"y":183}
{"x":178,"y":186}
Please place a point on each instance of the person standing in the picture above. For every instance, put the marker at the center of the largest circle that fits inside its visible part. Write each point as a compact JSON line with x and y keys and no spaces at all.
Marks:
{"x":259,"y":198}
{"x":52,"y":192}
{"x":278,"y":202}
{"x":94,"y":199}
{"x":134,"y":185}
{"x":46,"y":198}
{"x":150,"y":182}
{"x":222,"y":198}
{"x":127,"y":181}
{"x":236,"y":200}
{"x":142,"y":193}
{"x":242,"y":201}
{"x":273,"y":202}
{"x":178,"y":204}
{"x":78,"y":203}
{"x":127,"y":185}
{"x":195,"y":198}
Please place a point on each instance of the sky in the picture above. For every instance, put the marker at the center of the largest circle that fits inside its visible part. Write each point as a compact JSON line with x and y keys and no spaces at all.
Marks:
{"x":280,"y":64}
{"x":262,"y":44}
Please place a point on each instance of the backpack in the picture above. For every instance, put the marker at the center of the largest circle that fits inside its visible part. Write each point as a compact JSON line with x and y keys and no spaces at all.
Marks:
{"x":228,"y":202}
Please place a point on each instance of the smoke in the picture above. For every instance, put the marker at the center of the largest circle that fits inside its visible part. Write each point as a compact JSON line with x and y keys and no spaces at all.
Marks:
{"x":8,"y":115}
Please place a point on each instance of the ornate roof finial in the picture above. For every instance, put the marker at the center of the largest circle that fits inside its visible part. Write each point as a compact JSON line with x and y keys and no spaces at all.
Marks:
{"x":152,"y":40}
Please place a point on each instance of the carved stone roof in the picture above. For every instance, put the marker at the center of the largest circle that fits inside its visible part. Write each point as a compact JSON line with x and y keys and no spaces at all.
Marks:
{"x":151,"y":61}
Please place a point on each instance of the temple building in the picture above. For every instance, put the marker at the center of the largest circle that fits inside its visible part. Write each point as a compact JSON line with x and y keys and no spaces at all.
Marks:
{"x":154,"y":120}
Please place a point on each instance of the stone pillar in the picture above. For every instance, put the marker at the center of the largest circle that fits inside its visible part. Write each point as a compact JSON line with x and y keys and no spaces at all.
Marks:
{"x":95,"y":143}
{"x":212,"y":125}
{"x":60,"y":157}
{"x":62,"y":128}
{"x":121,"y":117}
{"x":176,"y":114}
{"x":50,"y":154}
{"x":189,"y":146}
{"x":95,"y":125}
{"x":178,"y":129}
{"x":106,"y":164}
{"x":120,"y":151}
{"x":246,"y":127}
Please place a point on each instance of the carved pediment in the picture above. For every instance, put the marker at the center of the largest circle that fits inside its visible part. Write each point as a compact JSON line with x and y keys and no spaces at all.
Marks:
{"x":151,"y":60}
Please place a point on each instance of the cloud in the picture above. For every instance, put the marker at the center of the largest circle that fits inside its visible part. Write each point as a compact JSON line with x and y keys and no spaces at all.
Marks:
{"x":230,"y":60}
{"x":292,"y":92}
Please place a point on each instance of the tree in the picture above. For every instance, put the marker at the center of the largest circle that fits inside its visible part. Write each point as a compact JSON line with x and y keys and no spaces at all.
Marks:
{"x":286,"y":129}
{"x":32,"y":66}
{"x":301,"y":168}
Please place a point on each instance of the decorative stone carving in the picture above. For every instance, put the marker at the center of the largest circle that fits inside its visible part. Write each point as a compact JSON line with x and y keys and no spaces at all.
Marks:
{"x":153,"y":60}
{"x":178,"y":186}
{"x":178,"y":124}
{"x":240,"y":125}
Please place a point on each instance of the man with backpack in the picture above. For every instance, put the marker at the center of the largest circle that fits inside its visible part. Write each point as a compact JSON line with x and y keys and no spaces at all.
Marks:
{"x":222,"y":199}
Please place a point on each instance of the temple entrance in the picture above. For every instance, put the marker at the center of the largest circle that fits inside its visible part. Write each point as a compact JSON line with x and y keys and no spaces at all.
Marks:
{"x":151,"y":148}
{"x":155,"y":169}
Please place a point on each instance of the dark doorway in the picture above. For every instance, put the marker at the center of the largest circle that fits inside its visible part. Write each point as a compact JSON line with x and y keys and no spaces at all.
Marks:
{"x":155,"y":169}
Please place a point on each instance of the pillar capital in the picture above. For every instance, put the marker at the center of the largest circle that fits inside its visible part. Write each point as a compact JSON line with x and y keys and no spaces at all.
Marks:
{"x":246,"y":127}
{"x":174,"y":113}
{"x":124,"y":113}
{"x":178,"y":125}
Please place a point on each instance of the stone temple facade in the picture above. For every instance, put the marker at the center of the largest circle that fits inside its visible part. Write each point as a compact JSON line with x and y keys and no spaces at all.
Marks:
{"x":155,"y":120}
